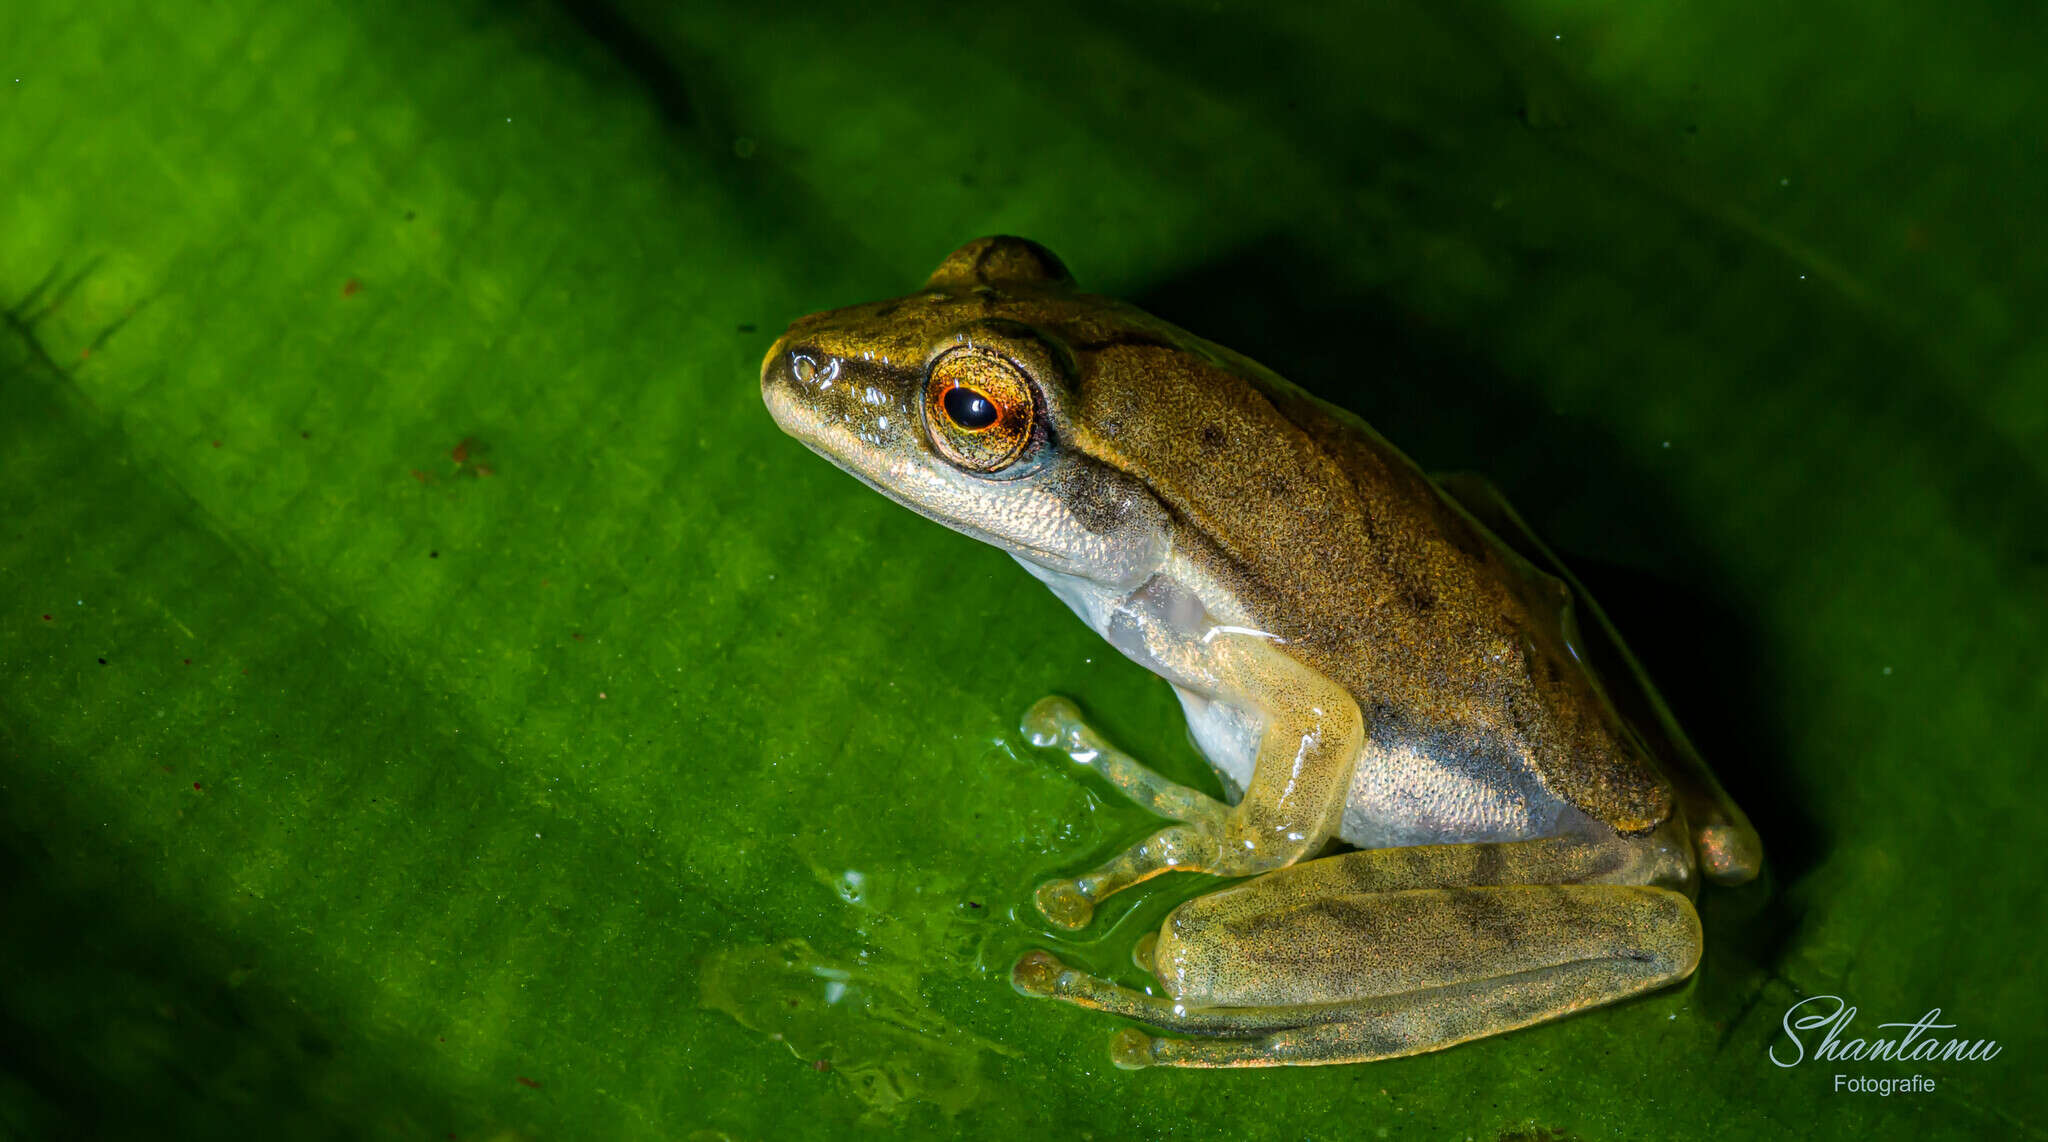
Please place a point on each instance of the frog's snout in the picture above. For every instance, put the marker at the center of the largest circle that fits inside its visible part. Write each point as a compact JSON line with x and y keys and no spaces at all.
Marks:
{"x":776,"y":354}
{"x":795,"y":377}
{"x":777,"y":365}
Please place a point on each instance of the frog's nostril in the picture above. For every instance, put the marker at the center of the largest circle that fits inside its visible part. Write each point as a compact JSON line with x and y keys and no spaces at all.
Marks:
{"x":775,"y":364}
{"x":781,"y":365}
{"x":813,"y":369}
{"x":799,"y":376}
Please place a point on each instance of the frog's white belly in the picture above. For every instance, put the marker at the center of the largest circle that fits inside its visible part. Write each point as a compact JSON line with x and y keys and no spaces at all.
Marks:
{"x":1403,"y":791}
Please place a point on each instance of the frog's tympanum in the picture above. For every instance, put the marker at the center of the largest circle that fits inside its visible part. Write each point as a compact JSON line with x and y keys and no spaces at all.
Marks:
{"x":1377,"y":662}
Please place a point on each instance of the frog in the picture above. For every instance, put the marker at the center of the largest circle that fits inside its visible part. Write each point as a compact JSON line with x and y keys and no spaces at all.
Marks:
{"x":1453,"y":803}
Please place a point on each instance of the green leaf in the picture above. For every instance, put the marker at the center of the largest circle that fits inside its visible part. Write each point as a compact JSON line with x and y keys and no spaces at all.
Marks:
{"x":435,"y":700}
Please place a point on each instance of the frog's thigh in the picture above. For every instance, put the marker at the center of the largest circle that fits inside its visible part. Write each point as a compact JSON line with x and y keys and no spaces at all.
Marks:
{"x":1400,"y":973}
{"x":1337,"y":948}
{"x":1414,"y":1023}
{"x":1353,"y":978}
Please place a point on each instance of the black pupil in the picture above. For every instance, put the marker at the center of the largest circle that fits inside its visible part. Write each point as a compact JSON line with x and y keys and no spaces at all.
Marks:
{"x":969,"y":409}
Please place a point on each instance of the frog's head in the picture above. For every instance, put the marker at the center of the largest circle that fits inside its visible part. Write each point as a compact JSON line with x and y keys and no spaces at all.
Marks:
{"x":959,"y":402}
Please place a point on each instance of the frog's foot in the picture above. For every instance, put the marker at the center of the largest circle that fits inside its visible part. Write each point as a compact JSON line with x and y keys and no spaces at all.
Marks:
{"x":1070,"y":904}
{"x":1065,"y":903}
{"x":1054,"y":723}
{"x":1350,"y":979}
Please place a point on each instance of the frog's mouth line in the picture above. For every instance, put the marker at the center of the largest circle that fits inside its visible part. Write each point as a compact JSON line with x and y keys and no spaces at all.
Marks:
{"x":1036,"y":553}
{"x":806,"y":434}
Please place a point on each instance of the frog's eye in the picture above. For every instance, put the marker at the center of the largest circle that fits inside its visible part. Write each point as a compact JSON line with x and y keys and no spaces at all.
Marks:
{"x":978,"y":409}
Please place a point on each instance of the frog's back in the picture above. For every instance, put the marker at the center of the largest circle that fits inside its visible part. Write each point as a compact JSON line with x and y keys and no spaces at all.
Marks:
{"x":1456,"y":648}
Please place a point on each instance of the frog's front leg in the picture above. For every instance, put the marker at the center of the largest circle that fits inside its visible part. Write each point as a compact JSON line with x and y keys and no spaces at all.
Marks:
{"x":1054,"y":723}
{"x":1310,"y":734}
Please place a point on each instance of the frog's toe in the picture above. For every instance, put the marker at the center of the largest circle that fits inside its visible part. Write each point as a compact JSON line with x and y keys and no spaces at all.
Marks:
{"x":1145,"y":953}
{"x":1037,"y":974}
{"x":1064,"y":904}
{"x":1050,"y":721}
{"x":1729,"y":853}
{"x":1131,"y":1049}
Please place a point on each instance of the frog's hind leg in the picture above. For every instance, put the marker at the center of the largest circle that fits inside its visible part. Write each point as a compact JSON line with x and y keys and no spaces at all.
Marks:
{"x":1370,"y":955}
{"x":1415,"y":1022}
{"x":1729,"y":849}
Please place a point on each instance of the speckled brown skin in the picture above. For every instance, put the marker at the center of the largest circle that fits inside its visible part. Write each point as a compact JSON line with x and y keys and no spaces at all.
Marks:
{"x":1727,"y":846}
{"x":1344,"y":598}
